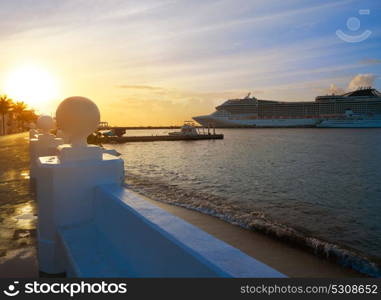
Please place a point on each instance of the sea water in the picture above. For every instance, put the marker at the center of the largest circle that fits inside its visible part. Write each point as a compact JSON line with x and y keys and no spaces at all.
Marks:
{"x":318,"y":188}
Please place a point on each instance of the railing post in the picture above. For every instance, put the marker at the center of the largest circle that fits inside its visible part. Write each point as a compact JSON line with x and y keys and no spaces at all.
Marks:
{"x":67,"y":195}
{"x":33,"y":132}
{"x":43,"y":144}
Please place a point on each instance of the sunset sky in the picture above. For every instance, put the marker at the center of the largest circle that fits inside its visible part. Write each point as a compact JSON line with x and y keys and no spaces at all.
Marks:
{"x":162,"y":62}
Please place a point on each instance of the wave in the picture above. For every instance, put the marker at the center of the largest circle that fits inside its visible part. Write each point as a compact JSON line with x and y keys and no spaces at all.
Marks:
{"x":244,"y":216}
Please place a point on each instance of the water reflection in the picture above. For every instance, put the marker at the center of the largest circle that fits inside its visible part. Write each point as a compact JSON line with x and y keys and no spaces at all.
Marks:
{"x":325,"y":182}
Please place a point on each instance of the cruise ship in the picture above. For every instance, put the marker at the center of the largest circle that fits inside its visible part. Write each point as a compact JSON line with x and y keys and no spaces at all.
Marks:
{"x":359,"y":108}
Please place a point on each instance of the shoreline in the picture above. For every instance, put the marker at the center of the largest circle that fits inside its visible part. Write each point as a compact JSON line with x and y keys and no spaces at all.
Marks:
{"x":220,"y":209}
{"x":290,"y":260}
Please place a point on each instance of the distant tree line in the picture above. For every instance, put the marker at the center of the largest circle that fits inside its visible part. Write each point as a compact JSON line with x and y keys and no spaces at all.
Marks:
{"x":15,"y":117}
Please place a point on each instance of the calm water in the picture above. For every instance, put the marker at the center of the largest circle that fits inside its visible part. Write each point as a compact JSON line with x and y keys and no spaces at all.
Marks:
{"x":323,"y":185}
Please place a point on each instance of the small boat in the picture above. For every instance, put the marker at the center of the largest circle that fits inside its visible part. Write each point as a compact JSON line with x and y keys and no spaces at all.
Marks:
{"x":188,"y":129}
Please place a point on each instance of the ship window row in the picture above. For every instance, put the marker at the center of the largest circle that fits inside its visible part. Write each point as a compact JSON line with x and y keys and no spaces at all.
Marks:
{"x":326,"y":108}
{"x":297,"y":109}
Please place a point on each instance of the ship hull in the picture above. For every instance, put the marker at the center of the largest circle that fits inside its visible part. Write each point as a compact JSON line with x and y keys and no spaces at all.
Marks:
{"x":350,"y":124}
{"x":210,"y":121}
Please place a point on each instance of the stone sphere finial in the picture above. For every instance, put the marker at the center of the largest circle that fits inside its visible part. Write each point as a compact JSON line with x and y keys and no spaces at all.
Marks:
{"x":45,"y":123}
{"x":77,"y":117}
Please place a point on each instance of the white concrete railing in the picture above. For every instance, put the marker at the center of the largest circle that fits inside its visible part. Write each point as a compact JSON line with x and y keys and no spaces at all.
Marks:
{"x":90,"y":226}
{"x":42,"y":144}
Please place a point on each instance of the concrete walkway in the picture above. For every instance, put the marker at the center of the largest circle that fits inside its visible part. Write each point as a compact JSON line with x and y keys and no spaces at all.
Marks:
{"x":17,"y":209}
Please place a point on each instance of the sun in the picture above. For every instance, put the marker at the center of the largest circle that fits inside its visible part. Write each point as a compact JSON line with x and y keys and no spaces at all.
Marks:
{"x":33,"y":85}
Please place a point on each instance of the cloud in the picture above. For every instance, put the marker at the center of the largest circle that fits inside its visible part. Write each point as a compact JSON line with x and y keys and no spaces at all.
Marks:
{"x":139,"y":87}
{"x":334,"y":89}
{"x":361,"y":80}
{"x":169,"y":60}
{"x":170,"y":106}
{"x":240,"y":19}
{"x":370,"y":61}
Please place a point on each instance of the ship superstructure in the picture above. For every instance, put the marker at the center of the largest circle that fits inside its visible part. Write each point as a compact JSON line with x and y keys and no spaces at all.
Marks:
{"x":253,"y":112}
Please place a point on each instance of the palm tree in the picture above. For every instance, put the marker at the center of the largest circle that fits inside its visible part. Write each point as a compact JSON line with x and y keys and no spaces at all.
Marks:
{"x":5,"y":106}
{"x":18,"y":108}
{"x":28,"y":116}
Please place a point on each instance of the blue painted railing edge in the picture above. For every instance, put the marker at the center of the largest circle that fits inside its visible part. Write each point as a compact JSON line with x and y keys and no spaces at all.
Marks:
{"x":228,"y":262}
{"x":120,"y":201}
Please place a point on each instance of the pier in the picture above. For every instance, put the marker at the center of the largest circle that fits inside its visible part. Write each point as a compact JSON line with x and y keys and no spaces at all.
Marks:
{"x":188,"y":132}
{"x":154,"y":138}
{"x":121,"y":130}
